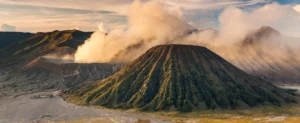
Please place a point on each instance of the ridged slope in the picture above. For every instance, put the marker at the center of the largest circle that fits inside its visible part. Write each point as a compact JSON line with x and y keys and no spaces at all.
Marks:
{"x":267,"y":54}
{"x":179,"y":77}
{"x":266,"y":65}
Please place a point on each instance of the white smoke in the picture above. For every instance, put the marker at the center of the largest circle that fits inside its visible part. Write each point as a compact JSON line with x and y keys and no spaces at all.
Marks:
{"x":59,"y":59}
{"x":102,"y":28}
{"x":297,"y":8}
{"x":152,"y":23}
{"x":149,"y":23}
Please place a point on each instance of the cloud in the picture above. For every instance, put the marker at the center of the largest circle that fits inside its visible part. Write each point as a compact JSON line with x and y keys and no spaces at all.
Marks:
{"x":297,"y":8}
{"x":49,"y":19}
{"x":212,"y":4}
{"x":8,"y":28}
{"x":119,"y":6}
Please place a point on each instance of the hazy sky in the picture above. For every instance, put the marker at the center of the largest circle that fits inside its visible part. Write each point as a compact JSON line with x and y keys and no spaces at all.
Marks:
{"x":48,"y":15}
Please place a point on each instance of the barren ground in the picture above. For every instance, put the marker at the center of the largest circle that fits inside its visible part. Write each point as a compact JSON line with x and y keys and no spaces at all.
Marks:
{"x":24,"y":109}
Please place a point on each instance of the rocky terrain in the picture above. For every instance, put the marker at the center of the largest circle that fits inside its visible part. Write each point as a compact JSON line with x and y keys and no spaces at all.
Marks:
{"x":44,"y":61}
{"x":44,"y":74}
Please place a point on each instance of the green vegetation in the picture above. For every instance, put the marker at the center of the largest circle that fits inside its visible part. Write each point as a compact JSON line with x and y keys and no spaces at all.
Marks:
{"x":180,"y":78}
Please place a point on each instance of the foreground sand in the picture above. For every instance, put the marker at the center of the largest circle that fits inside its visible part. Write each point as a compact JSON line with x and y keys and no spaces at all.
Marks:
{"x":24,"y":109}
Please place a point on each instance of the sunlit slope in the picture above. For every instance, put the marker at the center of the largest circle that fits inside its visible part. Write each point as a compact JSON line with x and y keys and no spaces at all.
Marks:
{"x":179,"y":77}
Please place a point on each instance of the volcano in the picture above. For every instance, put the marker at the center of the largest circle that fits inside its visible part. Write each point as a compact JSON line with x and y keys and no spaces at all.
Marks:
{"x":182,"y":78}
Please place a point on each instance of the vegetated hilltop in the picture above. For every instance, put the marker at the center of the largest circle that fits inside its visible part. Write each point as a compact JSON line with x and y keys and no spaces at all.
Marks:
{"x":182,"y":78}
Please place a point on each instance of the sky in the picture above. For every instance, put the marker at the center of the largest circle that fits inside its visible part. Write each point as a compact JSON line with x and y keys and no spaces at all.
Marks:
{"x":86,"y":15}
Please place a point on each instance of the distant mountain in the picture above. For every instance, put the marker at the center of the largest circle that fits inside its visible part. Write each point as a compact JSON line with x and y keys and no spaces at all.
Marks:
{"x":262,"y":33}
{"x":182,"y":78}
{"x":267,"y":54}
{"x":7,"y":38}
{"x":42,"y":44}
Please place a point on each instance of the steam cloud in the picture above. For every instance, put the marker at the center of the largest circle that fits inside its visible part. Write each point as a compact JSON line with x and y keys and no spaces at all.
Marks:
{"x":151,"y":24}
{"x":59,"y":59}
{"x":297,"y":8}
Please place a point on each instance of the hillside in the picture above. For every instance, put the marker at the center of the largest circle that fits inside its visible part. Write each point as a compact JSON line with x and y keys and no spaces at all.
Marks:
{"x":7,"y":38}
{"x":182,"y":78}
{"x":42,"y":44}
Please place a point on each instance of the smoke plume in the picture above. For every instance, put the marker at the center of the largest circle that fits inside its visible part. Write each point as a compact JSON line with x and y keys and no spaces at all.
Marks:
{"x":151,"y":23}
